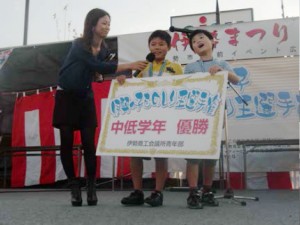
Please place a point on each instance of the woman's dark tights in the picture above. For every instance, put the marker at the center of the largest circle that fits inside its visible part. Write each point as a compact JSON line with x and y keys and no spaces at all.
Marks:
{"x":66,"y":155}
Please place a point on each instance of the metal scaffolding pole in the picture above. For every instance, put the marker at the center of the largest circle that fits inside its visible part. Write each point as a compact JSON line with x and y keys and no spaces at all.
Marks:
{"x":26,"y":22}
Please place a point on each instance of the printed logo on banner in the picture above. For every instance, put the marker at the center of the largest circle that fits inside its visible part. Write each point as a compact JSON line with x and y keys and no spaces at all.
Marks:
{"x":4,"y":55}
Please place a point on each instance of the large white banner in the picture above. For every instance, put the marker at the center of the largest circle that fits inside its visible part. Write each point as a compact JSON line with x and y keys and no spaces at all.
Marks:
{"x":174,"y":117}
{"x":261,"y":39}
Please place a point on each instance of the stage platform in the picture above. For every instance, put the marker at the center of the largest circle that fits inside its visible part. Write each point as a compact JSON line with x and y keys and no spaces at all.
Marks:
{"x":51,"y":206}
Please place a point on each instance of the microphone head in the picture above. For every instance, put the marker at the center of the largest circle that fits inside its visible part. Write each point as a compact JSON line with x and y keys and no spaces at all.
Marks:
{"x":150,"y":57}
{"x":172,"y":29}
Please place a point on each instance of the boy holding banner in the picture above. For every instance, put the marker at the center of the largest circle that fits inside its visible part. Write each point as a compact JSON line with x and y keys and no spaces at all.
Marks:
{"x":159,"y":44}
{"x":202,"y":43}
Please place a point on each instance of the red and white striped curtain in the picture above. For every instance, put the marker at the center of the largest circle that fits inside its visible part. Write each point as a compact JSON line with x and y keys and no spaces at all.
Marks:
{"x":32,"y":126}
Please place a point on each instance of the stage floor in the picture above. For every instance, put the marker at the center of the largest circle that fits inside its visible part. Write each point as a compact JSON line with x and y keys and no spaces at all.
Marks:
{"x":32,"y":207}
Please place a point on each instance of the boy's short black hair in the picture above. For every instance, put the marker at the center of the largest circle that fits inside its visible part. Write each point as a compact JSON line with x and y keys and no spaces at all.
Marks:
{"x":164,"y":35}
{"x":199,"y":31}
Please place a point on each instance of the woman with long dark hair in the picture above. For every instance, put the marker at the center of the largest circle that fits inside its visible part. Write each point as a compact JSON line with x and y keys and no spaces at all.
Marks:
{"x":74,"y":99}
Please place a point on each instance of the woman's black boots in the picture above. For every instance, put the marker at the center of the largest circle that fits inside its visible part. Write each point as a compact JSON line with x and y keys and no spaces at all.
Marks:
{"x":91,"y":191}
{"x":76,"y":199}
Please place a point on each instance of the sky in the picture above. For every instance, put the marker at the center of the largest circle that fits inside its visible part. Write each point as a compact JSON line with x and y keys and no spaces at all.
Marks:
{"x":62,"y":20}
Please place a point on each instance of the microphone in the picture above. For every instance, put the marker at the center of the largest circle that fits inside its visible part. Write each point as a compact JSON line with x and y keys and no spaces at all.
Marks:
{"x":187,"y":31}
{"x":150,"y":58}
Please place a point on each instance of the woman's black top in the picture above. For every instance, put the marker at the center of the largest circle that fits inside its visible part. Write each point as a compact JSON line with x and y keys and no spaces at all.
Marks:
{"x":80,"y":66}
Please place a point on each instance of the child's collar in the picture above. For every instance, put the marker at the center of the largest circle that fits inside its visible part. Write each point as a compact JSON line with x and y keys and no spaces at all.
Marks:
{"x":160,"y":62}
{"x":208,"y":60}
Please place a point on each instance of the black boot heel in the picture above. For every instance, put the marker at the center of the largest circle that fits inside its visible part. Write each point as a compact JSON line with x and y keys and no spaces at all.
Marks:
{"x":91,"y":192}
{"x":76,"y":199}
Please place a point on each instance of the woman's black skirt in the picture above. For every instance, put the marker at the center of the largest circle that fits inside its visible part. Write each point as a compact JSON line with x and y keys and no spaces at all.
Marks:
{"x":74,"y":110}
